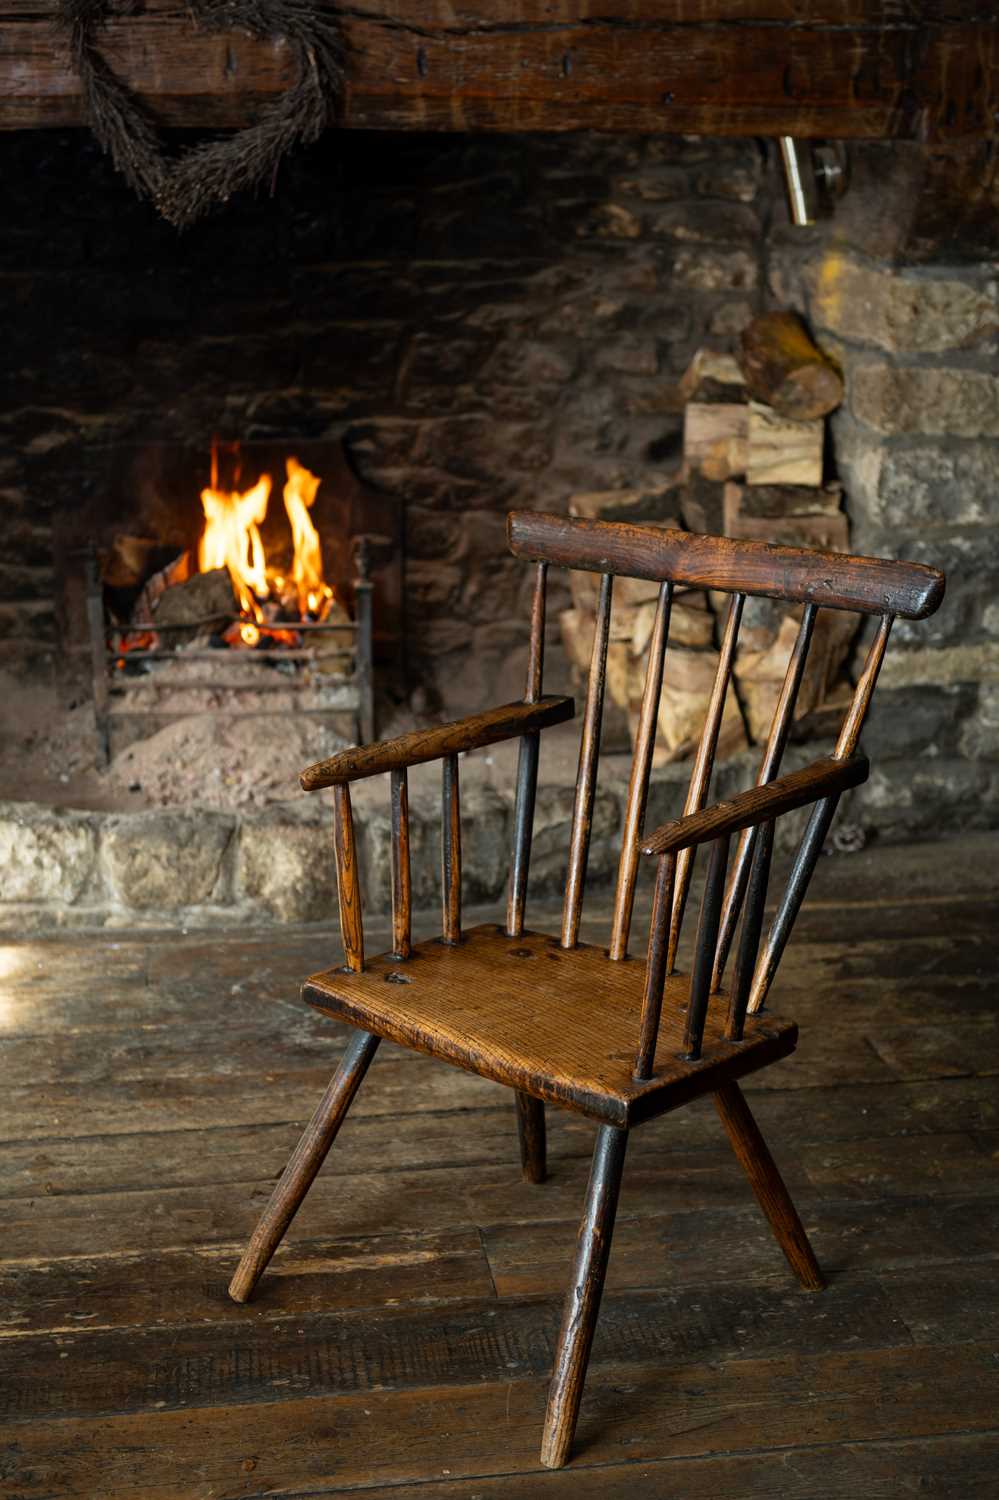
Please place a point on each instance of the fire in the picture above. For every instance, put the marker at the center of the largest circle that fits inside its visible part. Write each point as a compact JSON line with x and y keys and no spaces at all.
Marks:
{"x":231,"y":539}
{"x":307,"y":570}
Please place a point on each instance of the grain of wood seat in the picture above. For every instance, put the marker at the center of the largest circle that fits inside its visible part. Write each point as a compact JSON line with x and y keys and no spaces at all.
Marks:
{"x":583,"y":1027}
{"x":557,"y":1023}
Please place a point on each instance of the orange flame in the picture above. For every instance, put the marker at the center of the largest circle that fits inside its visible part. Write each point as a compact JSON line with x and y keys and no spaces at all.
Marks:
{"x":307,"y":570}
{"x":231,"y":539}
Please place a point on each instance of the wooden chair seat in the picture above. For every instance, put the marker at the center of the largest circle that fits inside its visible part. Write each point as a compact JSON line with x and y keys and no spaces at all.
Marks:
{"x":556,"y":1023}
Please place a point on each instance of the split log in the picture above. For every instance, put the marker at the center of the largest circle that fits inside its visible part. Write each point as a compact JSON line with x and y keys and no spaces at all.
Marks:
{"x":782,"y":450}
{"x":711,"y":376}
{"x":760,"y":674}
{"x":716,"y":439}
{"x":775,"y":502}
{"x":687,"y":684}
{"x":786,"y":516}
{"x":785,"y":369}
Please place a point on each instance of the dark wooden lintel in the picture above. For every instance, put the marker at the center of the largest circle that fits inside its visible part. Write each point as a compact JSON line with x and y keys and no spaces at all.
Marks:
{"x":888,"y":69}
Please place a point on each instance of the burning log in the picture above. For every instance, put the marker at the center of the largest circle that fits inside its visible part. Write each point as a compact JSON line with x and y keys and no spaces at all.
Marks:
{"x":203,"y":603}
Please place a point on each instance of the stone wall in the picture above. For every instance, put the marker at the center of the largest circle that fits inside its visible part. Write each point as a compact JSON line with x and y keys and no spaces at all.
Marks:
{"x":917,"y":446}
{"x":499,"y":322}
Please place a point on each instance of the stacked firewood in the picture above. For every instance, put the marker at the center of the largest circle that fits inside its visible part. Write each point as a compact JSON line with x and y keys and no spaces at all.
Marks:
{"x":754,"y":433}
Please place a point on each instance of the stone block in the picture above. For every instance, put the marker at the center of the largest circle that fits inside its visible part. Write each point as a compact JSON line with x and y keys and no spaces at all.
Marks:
{"x":656,"y":185}
{"x":284,"y":863}
{"x":715,"y":270}
{"x":550,"y":847}
{"x":928,"y":797}
{"x":969,"y":556}
{"x":166,"y":860}
{"x":705,"y":223}
{"x":737,"y":180}
{"x":980,"y":732}
{"x":485,"y":843}
{"x":45,"y":854}
{"x":901,"y":314}
{"x":730,"y":319}
{"x":611,"y":221}
{"x":925,"y":718}
{"x":934,"y":401}
{"x":932,"y":484}
{"x":977,"y":663}
{"x":533,"y":362}
{"x":629,"y":356}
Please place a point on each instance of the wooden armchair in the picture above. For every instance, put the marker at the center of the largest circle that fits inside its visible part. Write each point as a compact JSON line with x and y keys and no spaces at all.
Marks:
{"x":565,"y":1022}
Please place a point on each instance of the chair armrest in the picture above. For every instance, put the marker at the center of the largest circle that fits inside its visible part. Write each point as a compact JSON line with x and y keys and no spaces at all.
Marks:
{"x":487,"y":728}
{"x":822,"y":778}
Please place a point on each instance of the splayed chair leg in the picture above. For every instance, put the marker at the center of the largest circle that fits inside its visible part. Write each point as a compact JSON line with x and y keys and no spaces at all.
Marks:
{"x":768,"y":1185}
{"x":306,"y":1159}
{"x":531,"y":1133}
{"x":582,"y":1304}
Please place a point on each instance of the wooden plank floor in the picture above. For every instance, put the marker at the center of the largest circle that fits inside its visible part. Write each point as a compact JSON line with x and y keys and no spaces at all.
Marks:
{"x":400,"y":1345}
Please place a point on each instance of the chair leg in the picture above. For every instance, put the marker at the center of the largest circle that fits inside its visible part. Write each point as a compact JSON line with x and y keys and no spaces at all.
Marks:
{"x":531,"y":1133}
{"x":582,"y":1304}
{"x":305,"y":1161}
{"x":768,"y":1185}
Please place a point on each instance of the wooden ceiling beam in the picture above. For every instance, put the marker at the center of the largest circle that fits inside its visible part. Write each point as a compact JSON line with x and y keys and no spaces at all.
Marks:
{"x":923,"y":70}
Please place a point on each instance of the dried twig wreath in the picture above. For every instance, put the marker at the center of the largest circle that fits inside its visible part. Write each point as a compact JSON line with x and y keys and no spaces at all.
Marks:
{"x":186,"y":187}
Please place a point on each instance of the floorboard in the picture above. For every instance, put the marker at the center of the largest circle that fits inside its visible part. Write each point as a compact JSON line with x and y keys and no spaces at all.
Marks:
{"x":400,"y":1344}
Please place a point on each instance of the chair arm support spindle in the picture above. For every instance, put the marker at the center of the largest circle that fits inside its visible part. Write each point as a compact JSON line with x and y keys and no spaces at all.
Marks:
{"x":794,"y":893}
{"x":451,"y":850}
{"x":523,"y":829}
{"x":348,"y":883}
{"x":402,"y":937}
{"x":762,"y":840}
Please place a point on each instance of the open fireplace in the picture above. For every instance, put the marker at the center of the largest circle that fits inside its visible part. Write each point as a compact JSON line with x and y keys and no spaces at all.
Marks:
{"x":251,"y":593}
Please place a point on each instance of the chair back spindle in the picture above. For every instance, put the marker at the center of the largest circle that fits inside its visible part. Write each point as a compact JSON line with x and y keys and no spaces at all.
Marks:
{"x":704,"y":951}
{"x":638,"y":786}
{"x":402,"y":936}
{"x":818,"y":825}
{"x":527,"y":765}
{"x":536,"y":651}
{"x":655,"y":966}
{"x":849,"y":735}
{"x":773,"y":754}
{"x":700,"y":776}
{"x":450,"y":850}
{"x":348,"y":884}
{"x":586,"y":778}
{"x":761,"y":847}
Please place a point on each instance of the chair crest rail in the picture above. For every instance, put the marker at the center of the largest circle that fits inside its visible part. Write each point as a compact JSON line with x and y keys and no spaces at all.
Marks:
{"x":422,"y":745}
{"x":836,"y":580}
{"x":822,"y":778}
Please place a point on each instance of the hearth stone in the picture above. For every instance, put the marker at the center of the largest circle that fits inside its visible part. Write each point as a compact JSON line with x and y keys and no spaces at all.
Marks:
{"x":47,"y":855}
{"x":164,"y":861}
{"x":205,"y":868}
